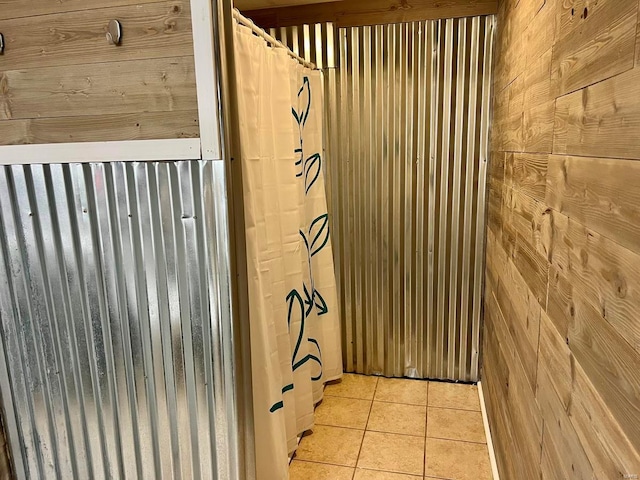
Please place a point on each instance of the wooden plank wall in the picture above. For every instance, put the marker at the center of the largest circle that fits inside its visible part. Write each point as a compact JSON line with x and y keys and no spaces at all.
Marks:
{"x":61,"y":81}
{"x":561,"y":364}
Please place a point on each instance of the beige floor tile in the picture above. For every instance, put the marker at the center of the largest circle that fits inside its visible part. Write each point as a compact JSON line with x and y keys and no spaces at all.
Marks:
{"x":398,"y":418}
{"x":454,"y":395}
{"x":353,"y":386}
{"x":455,"y":424}
{"x":459,"y":460}
{"x":300,"y":470}
{"x":362,"y":474}
{"x":343,"y":412}
{"x":402,"y":390}
{"x":392,"y":453}
{"x":335,"y":445}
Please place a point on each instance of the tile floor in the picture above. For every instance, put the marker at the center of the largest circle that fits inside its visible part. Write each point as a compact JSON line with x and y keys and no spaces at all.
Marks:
{"x":373,"y":428}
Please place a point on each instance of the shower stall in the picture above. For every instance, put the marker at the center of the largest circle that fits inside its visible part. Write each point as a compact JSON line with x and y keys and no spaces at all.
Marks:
{"x":407,"y":133}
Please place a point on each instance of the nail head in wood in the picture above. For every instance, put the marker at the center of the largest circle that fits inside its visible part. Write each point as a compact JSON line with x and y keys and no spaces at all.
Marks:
{"x":114,"y":32}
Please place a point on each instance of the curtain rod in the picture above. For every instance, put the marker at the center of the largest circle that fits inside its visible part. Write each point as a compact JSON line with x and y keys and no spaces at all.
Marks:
{"x":261,"y":33}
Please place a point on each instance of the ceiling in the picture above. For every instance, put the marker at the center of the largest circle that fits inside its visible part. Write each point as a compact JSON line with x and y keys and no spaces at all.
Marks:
{"x":259,"y":4}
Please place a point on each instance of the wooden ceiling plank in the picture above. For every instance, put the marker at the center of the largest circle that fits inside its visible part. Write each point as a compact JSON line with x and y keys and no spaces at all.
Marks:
{"x":346,"y":13}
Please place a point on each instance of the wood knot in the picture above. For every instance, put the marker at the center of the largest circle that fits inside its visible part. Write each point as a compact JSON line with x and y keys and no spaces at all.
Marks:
{"x":585,"y":100}
{"x":620,"y":285}
{"x":584,"y":257}
{"x":564,"y":171}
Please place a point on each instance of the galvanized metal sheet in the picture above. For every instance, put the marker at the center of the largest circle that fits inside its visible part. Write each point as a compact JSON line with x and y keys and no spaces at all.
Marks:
{"x":114,"y":299}
{"x":407,"y":133}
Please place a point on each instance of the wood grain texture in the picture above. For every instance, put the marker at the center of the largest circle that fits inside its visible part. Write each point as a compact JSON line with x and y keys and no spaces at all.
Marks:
{"x":560,"y":308}
{"x":370,"y":12}
{"x":513,"y":140}
{"x":540,"y":33}
{"x":605,"y":273}
{"x":512,"y":39}
{"x":521,"y":432}
{"x":597,"y":42}
{"x":13,"y":132}
{"x":534,"y":268}
{"x":602,"y":120}
{"x":611,"y":365}
{"x":101,"y":128}
{"x":538,"y":106}
{"x":61,"y":81}
{"x":154,"y":30}
{"x":595,"y":192}
{"x":563,"y":457}
{"x":260,"y":4}
{"x":109,"y":88}
{"x":637,"y":61}
{"x":610,"y":452}
{"x":524,"y":314}
{"x":555,"y":364}
{"x":527,"y":173}
{"x":32,"y":8}
{"x":563,"y":240}
{"x":531,"y":220}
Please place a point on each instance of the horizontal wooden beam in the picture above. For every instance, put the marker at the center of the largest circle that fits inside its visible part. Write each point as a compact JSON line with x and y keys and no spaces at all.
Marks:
{"x":100,"y":128}
{"x":347,"y":13}
{"x":258,"y":4}
{"x":99,"y":152}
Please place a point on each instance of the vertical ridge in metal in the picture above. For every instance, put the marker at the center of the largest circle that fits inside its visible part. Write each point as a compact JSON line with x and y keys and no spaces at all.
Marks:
{"x":407,"y":133}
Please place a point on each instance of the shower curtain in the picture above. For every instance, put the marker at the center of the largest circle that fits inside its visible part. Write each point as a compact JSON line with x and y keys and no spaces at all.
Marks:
{"x":294,"y":319}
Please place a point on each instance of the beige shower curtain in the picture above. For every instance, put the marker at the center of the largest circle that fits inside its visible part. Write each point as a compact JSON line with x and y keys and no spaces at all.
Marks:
{"x":295,"y":330}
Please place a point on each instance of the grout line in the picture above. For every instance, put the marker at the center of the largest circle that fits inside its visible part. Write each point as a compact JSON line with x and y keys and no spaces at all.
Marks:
{"x":341,"y":426}
{"x":455,"y":408}
{"x":458,"y":440}
{"x":352,"y":398}
{"x":396,"y":433}
{"x":459,"y":409}
{"x":403,"y":403}
{"x":426,"y":423}
{"x":320,"y":462}
{"x":378,"y":431}
{"x":487,"y":431}
{"x":365,"y":428}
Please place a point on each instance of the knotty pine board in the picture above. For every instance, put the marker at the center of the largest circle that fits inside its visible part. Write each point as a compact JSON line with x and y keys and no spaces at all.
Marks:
{"x":129,"y":126}
{"x":602,"y":120}
{"x":596,"y":41}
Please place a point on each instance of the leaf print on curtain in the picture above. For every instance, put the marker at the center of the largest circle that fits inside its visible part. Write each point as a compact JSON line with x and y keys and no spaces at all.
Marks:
{"x":294,"y":315}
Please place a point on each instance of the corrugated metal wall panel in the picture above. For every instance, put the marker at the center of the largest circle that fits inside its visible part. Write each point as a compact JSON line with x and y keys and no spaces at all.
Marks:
{"x":113,"y":287}
{"x":407,"y":128}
